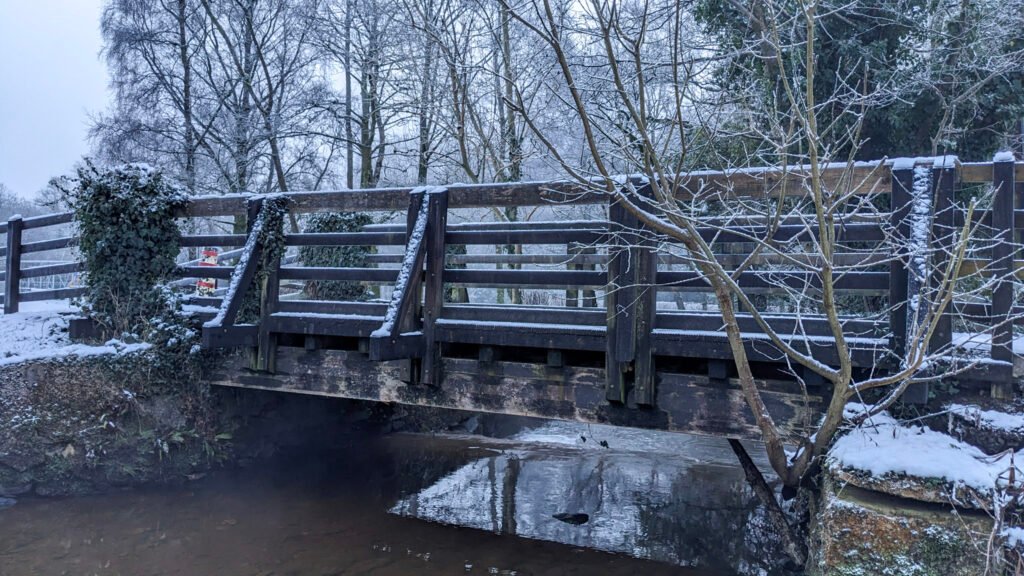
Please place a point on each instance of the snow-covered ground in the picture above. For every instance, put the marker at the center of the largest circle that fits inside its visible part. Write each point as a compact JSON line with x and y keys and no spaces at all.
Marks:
{"x":882,"y":447}
{"x":40,"y":330}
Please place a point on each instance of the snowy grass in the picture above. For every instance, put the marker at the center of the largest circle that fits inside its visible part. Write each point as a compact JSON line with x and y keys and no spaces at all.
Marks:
{"x":40,"y":331}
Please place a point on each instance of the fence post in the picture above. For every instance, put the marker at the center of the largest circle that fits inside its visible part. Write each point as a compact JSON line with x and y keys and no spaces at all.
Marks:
{"x":1003,"y":207}
{"x":433,"y":298}
{"x":645,"y":306}
{"x":943,"y":225}
{"x":12,"y":279}
{"x":258,"y":354}
{"x":619,"y":343}
{"x":631,"y":301}
{"x":270,"y":288}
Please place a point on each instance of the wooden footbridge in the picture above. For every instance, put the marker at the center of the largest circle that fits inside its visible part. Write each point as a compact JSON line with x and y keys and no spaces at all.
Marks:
{"x":552,"y":310}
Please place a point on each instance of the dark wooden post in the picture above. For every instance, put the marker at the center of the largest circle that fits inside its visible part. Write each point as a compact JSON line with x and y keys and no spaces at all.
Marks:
{"x":619,"y":343}
{"x":645,"y":307}
{"x":943,"y":180}
{"x":902,"y":184}
{"x":631,"y":300}
{"x":270,"y":290}
{"x":12,"y":280}
{"x":433,"y":299}
{"x":264,"y":355}
{"x":1003,"y":252}
{"x":904,"y":285}
{"x":410,"y":319}
{"x":943,"y":226}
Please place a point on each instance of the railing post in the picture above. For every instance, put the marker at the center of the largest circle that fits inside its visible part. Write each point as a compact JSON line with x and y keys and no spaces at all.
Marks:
{"x":270,"y":288}
{"x":943,"y":225}
{"x":645,"y":305}
{"x":411,"y":319}
{"x":902,"y":184}
{"x":258,"y":354}
{"x":1003,"y":252}
{"x":433,"y":298}
{"x":12,"y":280}
{"x":618,"y":342}
{"x":630,"y":300}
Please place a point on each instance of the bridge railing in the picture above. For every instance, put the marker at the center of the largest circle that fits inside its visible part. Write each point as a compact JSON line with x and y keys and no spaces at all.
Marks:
{"x":560,"y":271}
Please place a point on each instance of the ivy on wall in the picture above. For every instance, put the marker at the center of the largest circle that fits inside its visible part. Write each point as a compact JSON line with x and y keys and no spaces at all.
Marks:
{"x":269,"y":231}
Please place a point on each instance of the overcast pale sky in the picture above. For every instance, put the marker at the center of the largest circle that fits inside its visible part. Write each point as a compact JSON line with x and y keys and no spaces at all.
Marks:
{"x":51,"y":78}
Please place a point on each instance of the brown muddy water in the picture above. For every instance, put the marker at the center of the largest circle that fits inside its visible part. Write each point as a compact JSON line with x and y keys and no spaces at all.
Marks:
{"x":421,"y":504}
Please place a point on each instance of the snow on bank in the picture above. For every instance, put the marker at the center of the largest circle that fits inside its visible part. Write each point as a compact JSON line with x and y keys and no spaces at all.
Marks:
{"x":882,"y":447}
{"x":991,"y":419}
{"x":1014,"y":536}
{"x":40,"y":331}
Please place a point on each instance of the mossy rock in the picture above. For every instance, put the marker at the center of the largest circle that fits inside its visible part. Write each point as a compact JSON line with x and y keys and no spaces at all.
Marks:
{"x":858,"y":532}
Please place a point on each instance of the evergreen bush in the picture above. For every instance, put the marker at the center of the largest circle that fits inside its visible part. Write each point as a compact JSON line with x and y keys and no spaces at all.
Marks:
{"x":336,"y":256}
{"x":129,"y":241}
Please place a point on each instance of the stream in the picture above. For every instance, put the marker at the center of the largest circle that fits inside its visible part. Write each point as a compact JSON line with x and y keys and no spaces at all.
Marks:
{"x":556,"y":498}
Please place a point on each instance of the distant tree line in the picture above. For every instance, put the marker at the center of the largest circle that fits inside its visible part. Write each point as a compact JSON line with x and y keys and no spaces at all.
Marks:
{"x":265,"y":95}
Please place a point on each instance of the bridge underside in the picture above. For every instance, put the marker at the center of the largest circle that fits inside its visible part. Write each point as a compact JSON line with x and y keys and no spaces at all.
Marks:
{"x":685,"y":402}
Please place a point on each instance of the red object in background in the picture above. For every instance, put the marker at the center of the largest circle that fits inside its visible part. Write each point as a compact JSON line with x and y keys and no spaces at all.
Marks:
{"x":206,"y":286}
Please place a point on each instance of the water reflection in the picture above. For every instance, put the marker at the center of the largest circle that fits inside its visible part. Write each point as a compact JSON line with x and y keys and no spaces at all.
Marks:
{"x":674,"y":499}
{"x":670,"y":498}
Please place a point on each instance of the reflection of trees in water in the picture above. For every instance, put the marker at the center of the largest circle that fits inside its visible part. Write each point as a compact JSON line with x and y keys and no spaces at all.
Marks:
{"x":712,"y":519}
{"x":651,"y":507}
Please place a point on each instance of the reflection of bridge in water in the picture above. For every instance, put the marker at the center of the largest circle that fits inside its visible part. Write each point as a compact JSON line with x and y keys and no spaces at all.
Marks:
{"x":579,"y":313}
{"x":670,"y":498}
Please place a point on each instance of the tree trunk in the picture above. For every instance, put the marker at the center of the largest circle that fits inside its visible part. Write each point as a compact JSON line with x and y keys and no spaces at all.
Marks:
{"x":186,"y":100}
{"x":792,"y":544}
{"x":347,"y":60}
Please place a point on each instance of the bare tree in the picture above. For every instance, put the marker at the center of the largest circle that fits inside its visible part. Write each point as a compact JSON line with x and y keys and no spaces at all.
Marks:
{"x":637,"y":79}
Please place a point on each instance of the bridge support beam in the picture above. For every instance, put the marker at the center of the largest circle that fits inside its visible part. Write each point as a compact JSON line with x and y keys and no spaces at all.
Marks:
{"x":689,"y":403}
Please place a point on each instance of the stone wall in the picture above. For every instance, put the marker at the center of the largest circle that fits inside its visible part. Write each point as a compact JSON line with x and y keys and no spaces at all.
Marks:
{"x":861,"y":532}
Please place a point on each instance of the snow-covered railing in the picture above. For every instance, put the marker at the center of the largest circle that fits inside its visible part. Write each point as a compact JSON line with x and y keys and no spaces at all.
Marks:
{"x":596,"y":282}
{"x":266,"y":214}
{"x":402,"y":332}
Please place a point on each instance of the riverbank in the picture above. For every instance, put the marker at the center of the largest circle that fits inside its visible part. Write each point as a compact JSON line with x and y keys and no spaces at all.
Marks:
{"x":82,"y":419}
{"x":95,"y":419}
